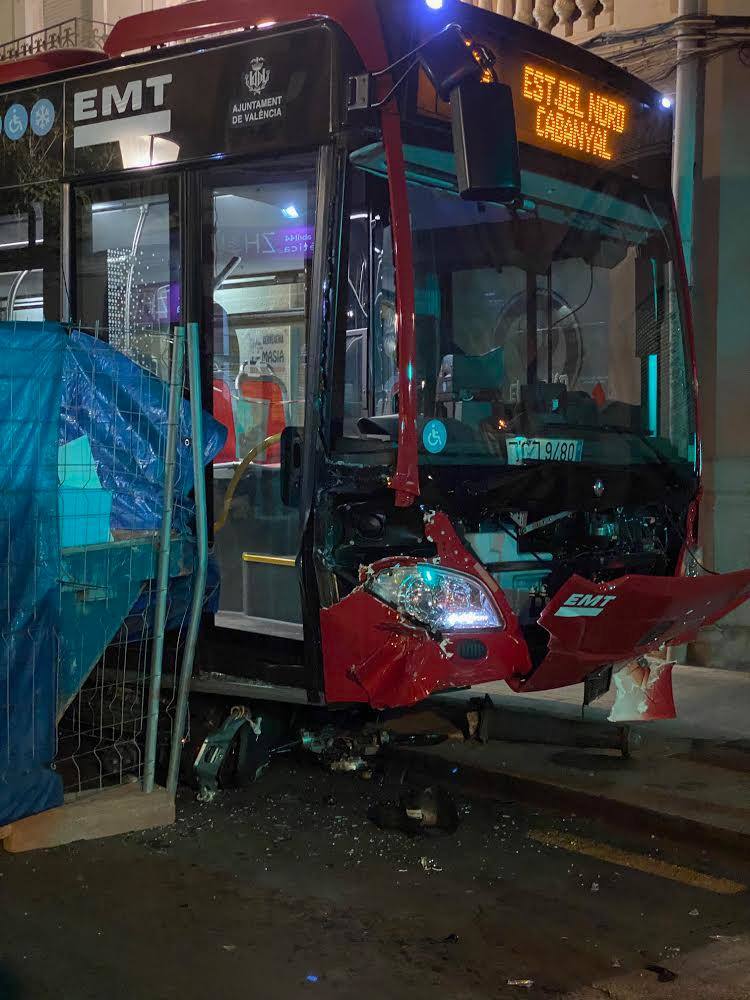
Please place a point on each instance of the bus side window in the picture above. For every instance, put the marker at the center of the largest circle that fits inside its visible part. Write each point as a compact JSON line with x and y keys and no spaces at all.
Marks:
{"x":29,"y":248}
{"x":127,"y":257}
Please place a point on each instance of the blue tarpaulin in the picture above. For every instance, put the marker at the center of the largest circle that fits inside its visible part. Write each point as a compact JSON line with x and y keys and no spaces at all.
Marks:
{"x":122,"y":408}
{"x":57,"y":388}
{"x":30,"y":392}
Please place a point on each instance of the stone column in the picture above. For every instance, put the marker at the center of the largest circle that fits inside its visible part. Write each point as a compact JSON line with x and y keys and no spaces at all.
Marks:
{"x":544,"y":14}
{"x":525,"y":11}
{"x":587,"y":20}
{"x":565,"y":9}
{"x":720,"y":295}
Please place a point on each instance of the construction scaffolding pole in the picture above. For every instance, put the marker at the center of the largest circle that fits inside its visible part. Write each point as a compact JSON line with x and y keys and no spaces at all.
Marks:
{"x":176,"y":381}
{"x":199,"y":575}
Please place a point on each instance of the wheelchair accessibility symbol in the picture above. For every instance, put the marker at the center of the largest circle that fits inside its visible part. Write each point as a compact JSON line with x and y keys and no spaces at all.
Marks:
{"x":16,"y":121}
{"x":434,"y":436}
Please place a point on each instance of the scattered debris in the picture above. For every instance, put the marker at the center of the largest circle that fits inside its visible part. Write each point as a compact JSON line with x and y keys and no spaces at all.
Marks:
{"x":350,"y":764}
{"x":239,"y":751}
{"x":616,"y":964}
{"x":158,"y":844}
{"x":663,"y":975}
{"x":694,"y":913}
{"x":426,"y":810}
{"x":727,"y":938}
{"x":523,"y":984}
{"x":595,"y":887}
{"x":429,"y":865}
{"x":229,"y":947}
{"x":451,"y":939}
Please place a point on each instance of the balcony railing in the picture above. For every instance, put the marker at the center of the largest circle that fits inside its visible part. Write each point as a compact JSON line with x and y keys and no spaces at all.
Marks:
{"x":562,"y":17}
{"x":75,"y":33}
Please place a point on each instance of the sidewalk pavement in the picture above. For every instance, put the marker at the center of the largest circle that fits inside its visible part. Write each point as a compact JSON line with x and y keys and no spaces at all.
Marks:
{"x":711,"y":704}
{"x":690,"y":778}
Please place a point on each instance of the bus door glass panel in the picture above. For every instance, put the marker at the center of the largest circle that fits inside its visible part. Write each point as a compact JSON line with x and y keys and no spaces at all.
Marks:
{"x":128,"y":289}
{"x":262,"y":234}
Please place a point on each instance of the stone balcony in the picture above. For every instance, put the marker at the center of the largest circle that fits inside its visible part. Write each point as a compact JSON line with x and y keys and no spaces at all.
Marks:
{"x":578,"y":20}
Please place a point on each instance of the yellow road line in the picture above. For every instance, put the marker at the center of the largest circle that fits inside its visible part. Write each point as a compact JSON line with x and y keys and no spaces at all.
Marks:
{"x":626,"y":859}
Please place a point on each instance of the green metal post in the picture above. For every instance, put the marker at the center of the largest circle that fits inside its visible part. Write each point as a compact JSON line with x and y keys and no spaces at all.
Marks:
{"x":176,"y":378}
{"x":199,"y":577}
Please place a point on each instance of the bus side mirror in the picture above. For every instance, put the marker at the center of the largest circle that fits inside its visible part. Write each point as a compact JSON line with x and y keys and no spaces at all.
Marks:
{"x":485,"y":141}
{"x":291,"y":466}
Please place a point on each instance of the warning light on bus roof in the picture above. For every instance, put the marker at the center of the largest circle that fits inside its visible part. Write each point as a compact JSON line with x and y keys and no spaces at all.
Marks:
{"x":434,"y":4}
{"x":667,"y":102}
{"x":290,"y":212}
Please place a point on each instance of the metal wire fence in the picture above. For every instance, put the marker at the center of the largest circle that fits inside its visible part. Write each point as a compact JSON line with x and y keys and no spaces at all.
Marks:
{"x":116,"y":457}
{"x":126,"y":566}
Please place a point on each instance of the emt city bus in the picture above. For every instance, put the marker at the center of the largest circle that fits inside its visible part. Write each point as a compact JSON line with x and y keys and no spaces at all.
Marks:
{"x":445,"y":323}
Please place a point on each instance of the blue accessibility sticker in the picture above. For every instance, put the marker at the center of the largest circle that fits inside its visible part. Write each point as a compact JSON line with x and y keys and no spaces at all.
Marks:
{"x":42,"y":117}
{"x":434,"y":436}
{"x":16,"y":121}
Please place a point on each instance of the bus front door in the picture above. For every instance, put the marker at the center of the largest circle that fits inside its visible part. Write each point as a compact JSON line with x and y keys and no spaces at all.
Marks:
{"x":257,"y":247}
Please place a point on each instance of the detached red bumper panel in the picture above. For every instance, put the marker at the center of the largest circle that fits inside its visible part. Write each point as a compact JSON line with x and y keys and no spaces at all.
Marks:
{"x":591,"y":624}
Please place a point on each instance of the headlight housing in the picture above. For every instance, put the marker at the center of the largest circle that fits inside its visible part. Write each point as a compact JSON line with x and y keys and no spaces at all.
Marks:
{"x":442,"y":600}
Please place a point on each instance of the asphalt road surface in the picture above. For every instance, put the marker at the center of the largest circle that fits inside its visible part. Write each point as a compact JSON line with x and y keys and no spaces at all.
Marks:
{"x":287,"y":890}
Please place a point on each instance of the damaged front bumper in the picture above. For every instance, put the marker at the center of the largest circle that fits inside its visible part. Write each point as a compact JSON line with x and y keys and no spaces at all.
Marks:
{"x":373,"y":653}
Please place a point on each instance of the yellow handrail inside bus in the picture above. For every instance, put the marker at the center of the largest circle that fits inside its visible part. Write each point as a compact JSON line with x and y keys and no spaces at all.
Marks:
{"x":239,"y":472}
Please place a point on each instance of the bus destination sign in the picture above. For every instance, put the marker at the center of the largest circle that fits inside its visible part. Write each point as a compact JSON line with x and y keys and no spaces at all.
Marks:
{"x":563,"y":112}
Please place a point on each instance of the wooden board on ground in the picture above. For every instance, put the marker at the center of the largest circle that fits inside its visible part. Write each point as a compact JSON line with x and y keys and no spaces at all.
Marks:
{"x":105,"y":812}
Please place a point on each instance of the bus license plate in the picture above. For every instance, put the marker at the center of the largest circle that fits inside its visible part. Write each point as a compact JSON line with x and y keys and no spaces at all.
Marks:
{"x":522,"y":449}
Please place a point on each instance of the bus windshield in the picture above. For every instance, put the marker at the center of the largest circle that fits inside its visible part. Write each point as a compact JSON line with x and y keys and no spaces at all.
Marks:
{"x":548,"y":331}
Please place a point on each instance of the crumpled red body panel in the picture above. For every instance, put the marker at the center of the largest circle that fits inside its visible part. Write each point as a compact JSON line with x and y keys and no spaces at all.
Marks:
{"x":371,"y":654}
{"x":592,"y":625}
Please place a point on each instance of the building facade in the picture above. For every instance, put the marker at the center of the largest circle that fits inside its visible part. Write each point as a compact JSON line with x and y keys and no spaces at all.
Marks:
{"x":698,"y":52}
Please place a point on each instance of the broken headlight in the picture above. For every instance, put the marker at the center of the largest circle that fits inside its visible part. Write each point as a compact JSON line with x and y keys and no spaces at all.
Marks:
{"x":440,"y":599}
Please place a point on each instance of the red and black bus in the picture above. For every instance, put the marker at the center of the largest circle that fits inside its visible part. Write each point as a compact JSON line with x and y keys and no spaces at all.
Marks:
{"x":462,"y":441}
